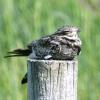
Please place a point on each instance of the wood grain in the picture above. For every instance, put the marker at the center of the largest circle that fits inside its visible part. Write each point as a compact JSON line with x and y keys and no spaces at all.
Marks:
{"x":52,"y":80}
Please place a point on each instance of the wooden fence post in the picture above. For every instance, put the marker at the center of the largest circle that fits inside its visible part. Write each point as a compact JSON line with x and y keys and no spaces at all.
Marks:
{"x":52,"y":80}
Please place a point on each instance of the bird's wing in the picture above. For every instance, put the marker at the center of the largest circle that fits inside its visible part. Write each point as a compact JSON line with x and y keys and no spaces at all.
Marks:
{"x":41,"y":41}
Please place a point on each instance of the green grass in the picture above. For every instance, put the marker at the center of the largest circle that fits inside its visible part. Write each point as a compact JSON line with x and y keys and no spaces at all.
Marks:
{"x":21,"y":21}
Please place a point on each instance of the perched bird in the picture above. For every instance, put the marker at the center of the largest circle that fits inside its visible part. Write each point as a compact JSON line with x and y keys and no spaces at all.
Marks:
{"x":64,"y":44}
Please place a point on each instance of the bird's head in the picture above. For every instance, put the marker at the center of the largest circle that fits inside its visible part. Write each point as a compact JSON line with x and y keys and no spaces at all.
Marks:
{"x":69,"y":31}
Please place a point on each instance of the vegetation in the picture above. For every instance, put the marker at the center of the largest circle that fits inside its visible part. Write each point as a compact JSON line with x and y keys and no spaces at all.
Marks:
{"x":21,"y":21}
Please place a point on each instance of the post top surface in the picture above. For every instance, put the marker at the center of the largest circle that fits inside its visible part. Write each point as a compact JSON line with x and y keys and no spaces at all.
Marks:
{"x":69,"y":61}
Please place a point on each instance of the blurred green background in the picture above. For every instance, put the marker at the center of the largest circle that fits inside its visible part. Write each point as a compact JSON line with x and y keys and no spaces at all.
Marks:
{"x":21,"y":21}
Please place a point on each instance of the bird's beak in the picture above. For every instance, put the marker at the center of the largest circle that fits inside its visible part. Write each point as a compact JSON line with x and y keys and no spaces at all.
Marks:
{"x":78,"y":30}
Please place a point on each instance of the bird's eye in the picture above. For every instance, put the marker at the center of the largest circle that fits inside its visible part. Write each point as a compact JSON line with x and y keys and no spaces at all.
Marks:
{"x":65,"y":32}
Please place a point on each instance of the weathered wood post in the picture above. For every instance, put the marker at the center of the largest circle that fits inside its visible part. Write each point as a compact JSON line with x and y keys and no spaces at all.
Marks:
{"x":52,"y":80}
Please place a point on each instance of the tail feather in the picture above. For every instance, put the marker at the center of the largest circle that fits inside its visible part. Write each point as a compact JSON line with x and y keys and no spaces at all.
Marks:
{"x":14,"y":55}
{"x":24,"y":80}
{"x":18,"y":52}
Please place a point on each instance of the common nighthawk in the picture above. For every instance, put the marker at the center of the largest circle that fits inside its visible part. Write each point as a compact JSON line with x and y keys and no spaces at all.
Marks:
{"x":64,"y":44}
